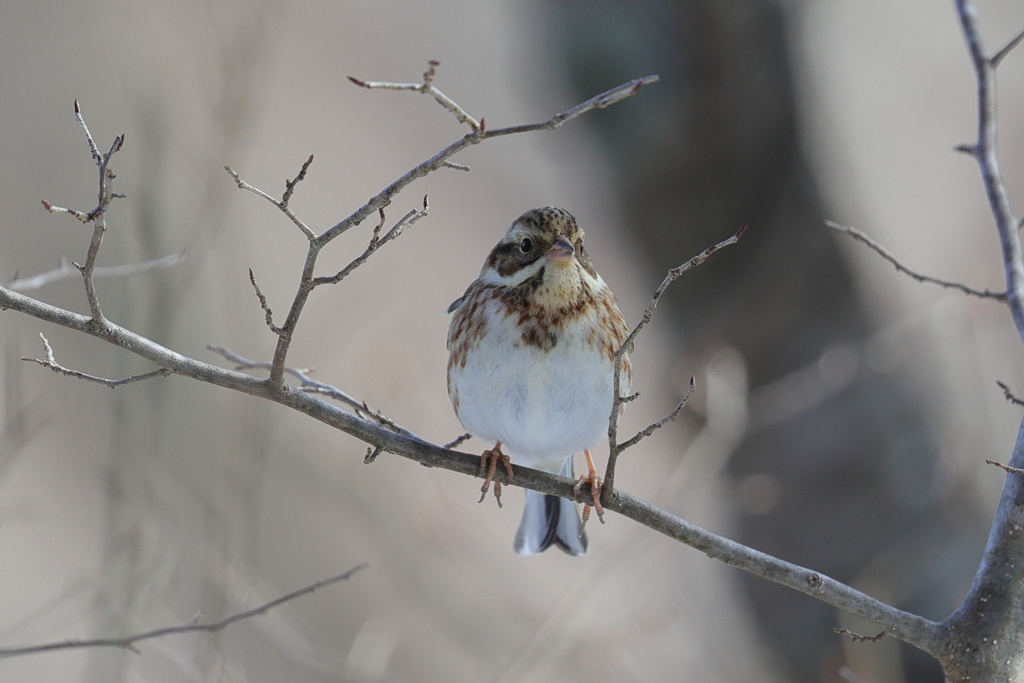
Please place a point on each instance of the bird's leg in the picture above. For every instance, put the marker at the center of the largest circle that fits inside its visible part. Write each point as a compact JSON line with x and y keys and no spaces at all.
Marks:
{"x":489,"y":463}
{"x":595,"y":483}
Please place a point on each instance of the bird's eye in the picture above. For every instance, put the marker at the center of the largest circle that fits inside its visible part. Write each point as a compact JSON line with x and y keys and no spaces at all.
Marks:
{"x":526,"y":246}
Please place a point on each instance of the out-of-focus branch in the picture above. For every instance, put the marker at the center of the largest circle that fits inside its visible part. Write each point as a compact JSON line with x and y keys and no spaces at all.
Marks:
{"x":884,"y":253}
{"x":130,"y":642}
{"x":1009,"y":395}
{"x":67,"y":269}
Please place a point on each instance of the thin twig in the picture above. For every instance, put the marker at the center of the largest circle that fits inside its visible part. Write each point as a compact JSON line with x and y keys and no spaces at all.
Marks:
{"x":885,"y":254}
{"x":51,"y":362}
{"x":289,"y":185}
{"x":858,"y":638}
{"x":282,"y":203}
{"x":97,"y":216}
{"x":376,"y":242}
{"x":458,"y":441}
{"x":268,"y":315}
{"x":313,"y":386}
{"x":426,"y":87}
{"x":371,"y":454}
{"x":1006,"y":468}
{"x":998,"y":57}
{"x":129,"y":642}
{"x":615,"y":448}
{"x":67,"y":269}
{"x":650,"y":429}
{"x":307,"y":279}
{"x":1009,"y":395}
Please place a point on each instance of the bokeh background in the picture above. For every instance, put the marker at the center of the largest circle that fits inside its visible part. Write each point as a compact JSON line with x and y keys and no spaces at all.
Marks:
{"x":843,"y":412}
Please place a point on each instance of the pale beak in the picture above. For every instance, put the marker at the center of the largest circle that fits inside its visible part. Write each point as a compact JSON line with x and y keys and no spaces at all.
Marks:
{"x":561,"y":250}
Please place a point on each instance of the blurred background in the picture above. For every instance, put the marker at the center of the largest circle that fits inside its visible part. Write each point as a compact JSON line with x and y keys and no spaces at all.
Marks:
{"x":842,"y":416}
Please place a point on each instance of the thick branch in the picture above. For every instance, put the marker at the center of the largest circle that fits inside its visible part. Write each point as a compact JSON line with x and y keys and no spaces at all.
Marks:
{"x":915,"y":630}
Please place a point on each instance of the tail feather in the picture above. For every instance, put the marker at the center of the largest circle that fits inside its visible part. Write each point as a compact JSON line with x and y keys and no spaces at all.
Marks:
{"x":550,"y":520}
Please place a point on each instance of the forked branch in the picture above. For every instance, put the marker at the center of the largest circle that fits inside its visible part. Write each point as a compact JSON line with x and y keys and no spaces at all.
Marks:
{"x":383,"y":437}
{"x":614,"y":447}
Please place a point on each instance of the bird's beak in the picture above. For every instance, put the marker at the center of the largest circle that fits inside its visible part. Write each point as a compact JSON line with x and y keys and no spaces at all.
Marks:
{"x":561,"y":250}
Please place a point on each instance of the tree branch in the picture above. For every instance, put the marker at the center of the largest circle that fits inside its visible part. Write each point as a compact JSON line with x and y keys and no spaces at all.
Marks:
{"x":884,"y":253}
{"x":981,"y":640}
{"x":66,"y":269}
{"x":129,"y":642}
{"x":614,"y":447}
{"x":984,"y":151}
{"x":308,"y":281}
{"x":98,"y":216}
{"x":915,"y":630}
{"x":51,"y":362}
{"x":381,"y":437}
{"x":427,"y":87}
{"x":329,"y":390}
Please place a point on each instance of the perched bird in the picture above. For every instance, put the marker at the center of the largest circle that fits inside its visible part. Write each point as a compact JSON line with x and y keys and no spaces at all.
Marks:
{"x":530,"y":366}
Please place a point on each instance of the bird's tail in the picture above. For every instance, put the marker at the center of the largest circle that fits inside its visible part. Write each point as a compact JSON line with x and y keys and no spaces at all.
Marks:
{"x":550,"y":520}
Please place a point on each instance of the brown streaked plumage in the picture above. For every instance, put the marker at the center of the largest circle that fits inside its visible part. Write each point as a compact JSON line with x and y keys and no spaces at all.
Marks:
{"x":531,"y":346}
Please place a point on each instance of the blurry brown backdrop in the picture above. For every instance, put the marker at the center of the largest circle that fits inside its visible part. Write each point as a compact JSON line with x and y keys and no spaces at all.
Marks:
{"x":842,"y":416}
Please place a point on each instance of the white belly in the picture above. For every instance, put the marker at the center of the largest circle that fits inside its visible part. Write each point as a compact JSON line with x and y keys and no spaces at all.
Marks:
{"x":542,"y":405}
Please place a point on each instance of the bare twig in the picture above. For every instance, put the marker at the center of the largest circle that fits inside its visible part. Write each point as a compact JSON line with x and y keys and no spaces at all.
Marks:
{"x":67,"y":269}
{"x":1009,"y":395}
{"x":289,"y":185}
{"x":282,"y":203}
{"x":97,"y":216}
{"x":885,"y":254}
{"x":858,"y":638}
{"x":426,"y":87}
{"x":1005,"y":468}
{"x":307,"y":279}
{"x":130,"y":642}
{"x":615,"y":448}
{"x":376,"y":242}
{"x":998,"y":57}
{"x":984,"y":151}
{"x":313,"y":386}
{"x":650,"y":429}
{"x":371,"y":454}
{"x":458,"y":441}
{"x":268,"y":315}
{"x":51,"y":362}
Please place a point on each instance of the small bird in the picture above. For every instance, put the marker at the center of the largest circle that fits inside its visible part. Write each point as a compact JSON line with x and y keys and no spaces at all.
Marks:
{"x":530,"y":368}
